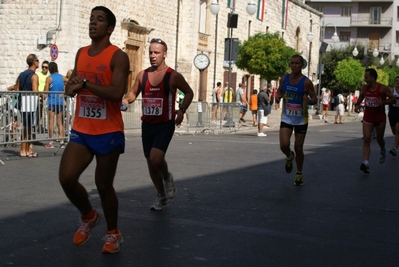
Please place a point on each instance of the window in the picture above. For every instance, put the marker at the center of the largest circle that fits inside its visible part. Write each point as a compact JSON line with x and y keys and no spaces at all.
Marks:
{"x":319,"y":8}
{"x":202,"y":24}
{"x":344,"y":36}
{"x":375,"y":15}
{"x":346,"y":11}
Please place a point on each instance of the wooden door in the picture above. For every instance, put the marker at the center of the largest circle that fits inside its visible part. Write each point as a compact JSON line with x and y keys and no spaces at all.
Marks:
{"x":374,"y":40}
{"x":131,"y":51}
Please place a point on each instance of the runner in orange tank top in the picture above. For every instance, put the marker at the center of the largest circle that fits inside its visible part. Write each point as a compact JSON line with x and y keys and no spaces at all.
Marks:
{"x":376,"y":96}
{"x":158,"y":85}
{"x":99,"y":80}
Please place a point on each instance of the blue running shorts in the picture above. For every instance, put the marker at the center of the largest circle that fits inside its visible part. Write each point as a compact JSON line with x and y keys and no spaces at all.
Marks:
{"x":101,"y":144}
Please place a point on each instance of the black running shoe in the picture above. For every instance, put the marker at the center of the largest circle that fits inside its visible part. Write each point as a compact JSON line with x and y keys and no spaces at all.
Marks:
{"x":288,"y":162}
{"x":364,"y":168}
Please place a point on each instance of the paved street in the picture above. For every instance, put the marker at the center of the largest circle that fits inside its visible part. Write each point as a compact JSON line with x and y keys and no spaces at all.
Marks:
{"x":235,"y":206}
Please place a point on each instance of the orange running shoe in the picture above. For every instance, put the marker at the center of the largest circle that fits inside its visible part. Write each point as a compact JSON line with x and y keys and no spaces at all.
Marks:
{"x":83,"y":234}
{"x":113,"y":240}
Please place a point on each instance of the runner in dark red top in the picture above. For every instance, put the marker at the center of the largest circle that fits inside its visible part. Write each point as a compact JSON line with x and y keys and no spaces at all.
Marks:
{"x":158,"y":85}
{"x":376,"y":96}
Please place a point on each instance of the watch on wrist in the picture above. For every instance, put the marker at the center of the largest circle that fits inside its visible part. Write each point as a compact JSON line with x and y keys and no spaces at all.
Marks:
{"x":84,"y":83}
{"x":183,"y":110}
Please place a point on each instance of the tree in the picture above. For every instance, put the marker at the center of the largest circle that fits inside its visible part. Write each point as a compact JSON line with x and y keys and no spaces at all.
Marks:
{"x":330,"y":60}
{"x":392,"y":73}
{"x":349,"y":73}
{"x":383,"y":77}
{"x":265,"y":54}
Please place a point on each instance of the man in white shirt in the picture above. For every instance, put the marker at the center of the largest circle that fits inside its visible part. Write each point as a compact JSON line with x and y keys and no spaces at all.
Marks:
{"x":340,"y":109}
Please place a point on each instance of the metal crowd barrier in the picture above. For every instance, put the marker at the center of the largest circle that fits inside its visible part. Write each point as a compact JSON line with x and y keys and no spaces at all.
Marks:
{"x":19,"y":106}
{"x":31,"y":108}
{"x":199,"y":117}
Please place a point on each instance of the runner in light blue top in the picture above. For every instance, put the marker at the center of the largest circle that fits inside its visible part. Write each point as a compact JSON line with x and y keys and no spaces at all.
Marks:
{"x":297,"y":93}
{"x":294,"y":112}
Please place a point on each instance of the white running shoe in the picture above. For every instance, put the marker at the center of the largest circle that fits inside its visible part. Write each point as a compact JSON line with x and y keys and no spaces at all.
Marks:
{"x":170,"y":189}
{"x":159,"y":202}
{"x":262,"y":134}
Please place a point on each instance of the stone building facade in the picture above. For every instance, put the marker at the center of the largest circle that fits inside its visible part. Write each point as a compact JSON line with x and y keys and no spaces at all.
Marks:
{"x":188,"y":27}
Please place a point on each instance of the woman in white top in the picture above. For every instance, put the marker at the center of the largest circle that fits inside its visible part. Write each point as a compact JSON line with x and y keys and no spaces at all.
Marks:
{"x":325,"y":102}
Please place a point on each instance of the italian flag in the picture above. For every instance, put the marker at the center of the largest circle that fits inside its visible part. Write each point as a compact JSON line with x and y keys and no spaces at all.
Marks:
{"x":231,"y":4}
{"x":261,"y":10}
{"x":284,"y":13}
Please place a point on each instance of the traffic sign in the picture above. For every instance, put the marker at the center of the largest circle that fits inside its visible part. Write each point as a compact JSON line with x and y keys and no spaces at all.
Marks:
{"x":54,"y":52}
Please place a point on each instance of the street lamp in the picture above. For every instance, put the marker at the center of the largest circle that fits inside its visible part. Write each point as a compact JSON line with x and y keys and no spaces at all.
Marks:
{"x":214,"y":7}
{"x":382,"y":60}
{"x":375,"y":52}
{"x":355,"y":52}
{"x":231,"y":23}
{"x":322,"y":49}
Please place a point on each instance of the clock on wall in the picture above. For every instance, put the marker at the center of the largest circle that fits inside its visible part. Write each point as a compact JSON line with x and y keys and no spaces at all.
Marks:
{"x":201,"y":61}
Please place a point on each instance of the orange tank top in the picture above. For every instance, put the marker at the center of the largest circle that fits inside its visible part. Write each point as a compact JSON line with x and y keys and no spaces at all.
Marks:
{"x":254,"y":102}
{"x":94,"y":115}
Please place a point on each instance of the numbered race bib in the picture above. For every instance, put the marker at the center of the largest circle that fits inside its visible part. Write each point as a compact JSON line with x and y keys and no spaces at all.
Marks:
{"x":371,"y":101}
{"x":92,"y":107}
{"x":293,"y":109}
{"x":152,"y":106}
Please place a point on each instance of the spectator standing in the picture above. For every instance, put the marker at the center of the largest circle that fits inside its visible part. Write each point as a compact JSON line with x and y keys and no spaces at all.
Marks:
{"x":297,"y":93}
{"x":241,"y":99}
{"x":375,"y":96}
{"x":216,"y":99}
{"x":263,"y":109}
{"x":253,"y":106}
{"x":28,"y":81}
{"x":227,"y":100}
{"x":273,"y":99}
{"x":158,"y":85}
{"x":55,"y":103}
{"x":42,"y":102}
{"x":393,"y":116}
{"x":99,"y":80}
{"x":325,"y":102}
{"x":354,"y":99}
{"x":340,"y":109}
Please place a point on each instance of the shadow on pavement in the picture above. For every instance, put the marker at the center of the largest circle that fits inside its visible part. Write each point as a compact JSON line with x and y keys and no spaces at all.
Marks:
{"x":235,"y":206}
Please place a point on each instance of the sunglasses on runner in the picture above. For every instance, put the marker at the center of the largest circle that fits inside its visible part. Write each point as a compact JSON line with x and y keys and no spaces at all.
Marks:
{"x":159,"y":41}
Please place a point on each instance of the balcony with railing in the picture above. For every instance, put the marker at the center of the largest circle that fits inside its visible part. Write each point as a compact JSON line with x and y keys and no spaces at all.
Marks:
{"x":369,"y":21}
